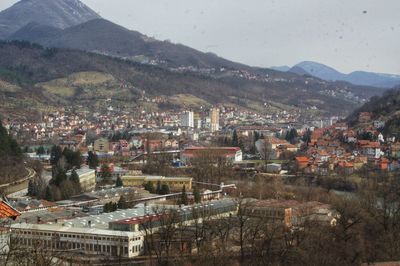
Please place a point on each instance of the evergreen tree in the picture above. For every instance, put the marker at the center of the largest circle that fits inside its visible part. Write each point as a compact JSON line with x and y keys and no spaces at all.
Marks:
{"x":105,"y":173}
{"x":31,"y":188}
{"x":240,"y":145}
{"x":59,"y":175}
{"x":55,"y":155}
{"x":164,"y":189}
{"x":226,"y":141}
{"x":15,"y":149}
{"x":119,"y":182}
{"x":149,"y":187}
{"x":256,"y":136}
{"x":291,"y":135}
{"x":8,"y":146}
{"x":74,"y":159}
{"x":49,"y":194}
{"x":235,"y":139}
{"x":184,"y":198}
{"x":93,"y":160}
{"x":196,"y":194}
{"x":307,"y":136}
{"x":74,"y":178}
{"x":110,"y":207}
{"x":122,"y":202}
{"x":40,"y":151}
{"x":67,"y":189}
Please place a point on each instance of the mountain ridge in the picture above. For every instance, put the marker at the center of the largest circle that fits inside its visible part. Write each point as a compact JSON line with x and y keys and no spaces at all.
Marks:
{"x":33,"y":74}
{"x":363,"y":78}
{"x":105,"y":37}
{"x":72,"y":24}
{"x":56,"y":13}
{"x":165,"y":68}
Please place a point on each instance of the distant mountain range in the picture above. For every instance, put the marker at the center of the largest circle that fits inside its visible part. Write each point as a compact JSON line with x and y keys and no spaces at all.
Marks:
{"x":104,"y":37}
{"x":330,"y":74}
{"x":33,"y":78}
{"x":36,"y":77}
{"x":71,"y":24}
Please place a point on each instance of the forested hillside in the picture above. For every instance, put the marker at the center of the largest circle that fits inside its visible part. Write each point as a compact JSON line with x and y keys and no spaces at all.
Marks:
{"x":33,"y":79}
{"x":385,"y":108}
{"x":11,"y":158}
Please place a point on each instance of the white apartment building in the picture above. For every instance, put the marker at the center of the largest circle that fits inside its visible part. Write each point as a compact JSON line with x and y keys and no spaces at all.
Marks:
{"x":87,"y":178}
{"x":187,"y":119}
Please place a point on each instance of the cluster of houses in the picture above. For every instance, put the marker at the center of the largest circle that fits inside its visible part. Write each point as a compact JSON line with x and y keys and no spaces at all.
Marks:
{"x":344,"y":150}
{"x":63,"y":125}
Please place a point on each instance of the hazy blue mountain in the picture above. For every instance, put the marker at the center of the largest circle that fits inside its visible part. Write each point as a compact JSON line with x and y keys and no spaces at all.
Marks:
{"x":298,"y":70}
{"x":357,"y":78}
{"x":373,"y":79}
{"x":55,"y":13}
{"x":319,"y":70}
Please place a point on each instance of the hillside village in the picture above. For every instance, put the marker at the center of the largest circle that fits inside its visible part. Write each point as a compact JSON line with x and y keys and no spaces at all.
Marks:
{"x":117,"y":148}
{"x":319,"y":147}
{"x":114,"y":161}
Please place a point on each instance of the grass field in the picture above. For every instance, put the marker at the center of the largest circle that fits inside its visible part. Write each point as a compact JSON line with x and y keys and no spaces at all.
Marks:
{"x":188,"y":100}
{"x":7,"y":87}
{"x":66,"y":87}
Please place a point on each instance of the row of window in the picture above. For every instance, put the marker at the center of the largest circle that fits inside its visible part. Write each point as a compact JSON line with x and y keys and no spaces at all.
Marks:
{"x":88,"y":247}
{"x":90,"y":237}
{"x":268,"y":212}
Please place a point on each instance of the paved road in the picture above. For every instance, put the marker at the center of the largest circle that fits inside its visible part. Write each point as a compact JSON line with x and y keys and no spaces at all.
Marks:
{"x":18,"y":194}
{"x":31,"y":174}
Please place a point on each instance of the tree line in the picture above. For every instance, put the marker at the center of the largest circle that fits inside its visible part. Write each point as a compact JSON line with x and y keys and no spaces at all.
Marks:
{"x":11,"y":158}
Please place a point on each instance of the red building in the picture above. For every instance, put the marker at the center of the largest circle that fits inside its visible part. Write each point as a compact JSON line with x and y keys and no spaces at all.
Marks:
{"x":233,"y":154}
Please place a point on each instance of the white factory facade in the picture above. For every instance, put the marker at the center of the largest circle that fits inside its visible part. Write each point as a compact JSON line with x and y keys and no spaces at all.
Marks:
{"x":115,"y":234}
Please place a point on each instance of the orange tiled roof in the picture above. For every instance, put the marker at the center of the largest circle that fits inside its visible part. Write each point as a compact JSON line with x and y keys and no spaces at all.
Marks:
{"x":6,"y":211}
{"x":302,"y":159}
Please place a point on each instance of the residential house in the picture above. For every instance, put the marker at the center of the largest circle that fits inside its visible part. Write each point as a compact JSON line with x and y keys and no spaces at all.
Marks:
{"x":364,"y":117}
{"x":395,"y":150}
{"x":290,"y":212}
{"x":370,"y":149}
{"x":101,"y":145}
{"x":153,"y":145}
{"x":345,"y":167}
{"x":87,"y":178}
{"x":273,"y":147}
{"x":171,"y":144}
{"x":302,"y":162}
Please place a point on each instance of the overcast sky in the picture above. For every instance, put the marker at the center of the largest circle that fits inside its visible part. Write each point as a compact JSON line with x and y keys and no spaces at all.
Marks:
{"x":345,"y":34}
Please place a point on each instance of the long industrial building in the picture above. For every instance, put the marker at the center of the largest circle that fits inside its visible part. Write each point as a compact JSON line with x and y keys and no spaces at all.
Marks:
{"x":86,"y":240}
{"x":115,"y":234}
{"x":174,"y":183}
